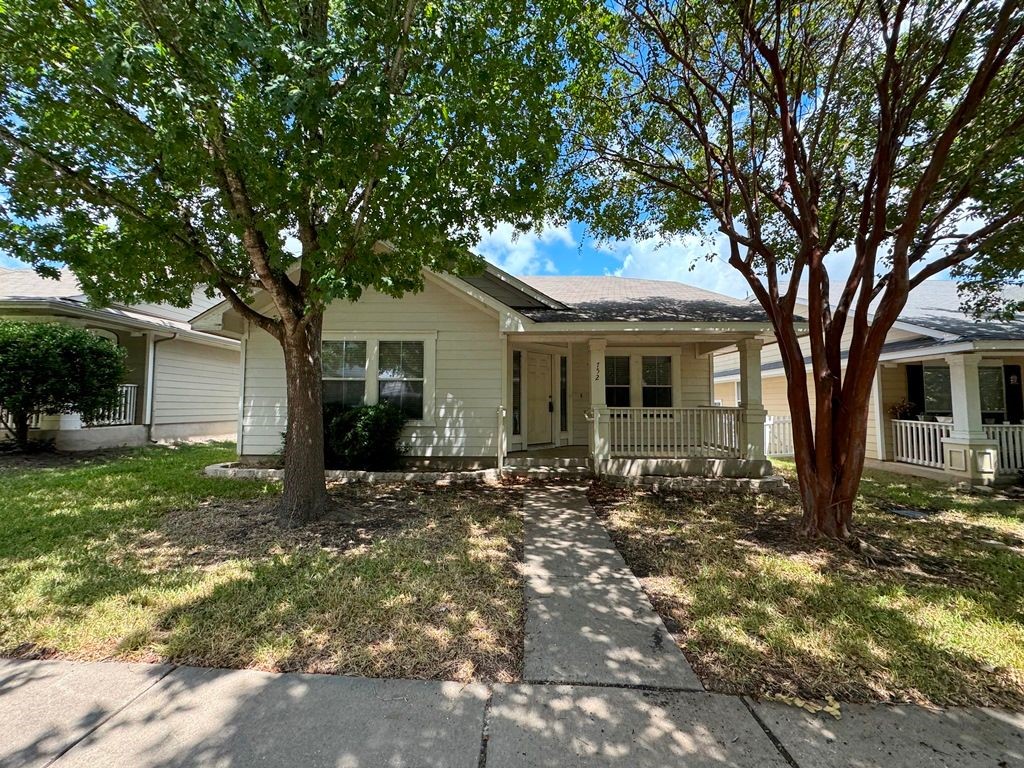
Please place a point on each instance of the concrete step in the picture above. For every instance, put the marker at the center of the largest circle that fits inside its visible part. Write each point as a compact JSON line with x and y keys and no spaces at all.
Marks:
{"x":549,"y":462}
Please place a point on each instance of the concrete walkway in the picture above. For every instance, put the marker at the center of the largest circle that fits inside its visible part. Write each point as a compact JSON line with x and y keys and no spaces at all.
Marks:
{"x":587,"y":617}
{"x":608,"y":689}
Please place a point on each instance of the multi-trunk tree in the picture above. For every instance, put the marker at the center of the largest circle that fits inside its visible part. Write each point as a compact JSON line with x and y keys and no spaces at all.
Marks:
{"x":850,"y":149}
{"x":306,"y":149}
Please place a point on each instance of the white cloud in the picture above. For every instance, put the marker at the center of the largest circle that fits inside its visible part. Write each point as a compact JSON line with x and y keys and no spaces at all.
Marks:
{"x":684,"y":259}
{"x":523,"y":253}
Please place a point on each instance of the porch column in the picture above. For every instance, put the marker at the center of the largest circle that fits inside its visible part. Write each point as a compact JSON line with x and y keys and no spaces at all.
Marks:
{"x":599,"y":441}
{"x":968,"y":453}
{"x":753,"y":416}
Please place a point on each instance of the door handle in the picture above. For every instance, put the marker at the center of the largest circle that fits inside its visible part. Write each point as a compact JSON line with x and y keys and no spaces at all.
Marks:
{"x":551,"y":405}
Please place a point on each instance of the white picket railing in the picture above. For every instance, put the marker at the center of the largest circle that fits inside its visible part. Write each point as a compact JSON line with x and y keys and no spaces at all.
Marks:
{"x":778,"y":436}
{"x":919,"y":442}
{"x":672,"y":432}
{"x":1010,"y":441}
{"x":123,"y":412}
{"x":5,"y":418}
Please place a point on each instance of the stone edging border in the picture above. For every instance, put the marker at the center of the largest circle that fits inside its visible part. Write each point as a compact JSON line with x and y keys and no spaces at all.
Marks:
{"x":232,"y":470}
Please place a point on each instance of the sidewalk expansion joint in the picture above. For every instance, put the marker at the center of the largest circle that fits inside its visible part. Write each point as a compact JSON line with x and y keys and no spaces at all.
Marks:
{"x":485,"y":735}
{"x":624,"y":686}
{"x":768,"y":732}
{"x":111,"y":715}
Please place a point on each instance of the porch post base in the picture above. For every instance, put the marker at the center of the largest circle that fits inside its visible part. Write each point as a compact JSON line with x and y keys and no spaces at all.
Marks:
{"x":971,"y":459}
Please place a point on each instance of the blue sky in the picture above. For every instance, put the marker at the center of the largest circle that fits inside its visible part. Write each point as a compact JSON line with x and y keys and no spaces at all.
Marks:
{"x":568,"y":250}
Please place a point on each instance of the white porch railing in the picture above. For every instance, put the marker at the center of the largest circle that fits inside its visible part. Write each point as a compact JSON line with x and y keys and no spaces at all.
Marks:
{"x":123,"y":412}
{"x":778,"y":436}
{"x":919,"y":442}
{"x":33,"y":421}
{"x":672,"y":432}
{"x":1010,"y":441}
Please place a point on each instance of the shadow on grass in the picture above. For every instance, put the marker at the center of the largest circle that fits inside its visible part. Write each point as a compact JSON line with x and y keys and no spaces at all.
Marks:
{"x":140,"y":558}
{"x":936,"y":617}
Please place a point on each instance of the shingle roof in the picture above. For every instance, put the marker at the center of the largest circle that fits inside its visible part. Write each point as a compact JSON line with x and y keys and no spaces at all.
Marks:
{"x":604,"y":298}
{"x":28,"y":284}
{"x":935,"y":304}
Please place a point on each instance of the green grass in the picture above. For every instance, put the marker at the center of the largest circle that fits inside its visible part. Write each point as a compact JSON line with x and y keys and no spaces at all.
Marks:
{"x":935,"y":612}
{"x":139,"y":557}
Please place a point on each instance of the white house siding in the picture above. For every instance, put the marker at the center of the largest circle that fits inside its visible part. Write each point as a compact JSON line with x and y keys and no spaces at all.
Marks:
{"x":195,"y":390}
{"x":467,"y":382}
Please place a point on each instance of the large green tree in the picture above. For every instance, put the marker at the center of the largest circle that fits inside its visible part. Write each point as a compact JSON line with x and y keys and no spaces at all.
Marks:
{"x":852,"y":148}
{"x":160,"y":145}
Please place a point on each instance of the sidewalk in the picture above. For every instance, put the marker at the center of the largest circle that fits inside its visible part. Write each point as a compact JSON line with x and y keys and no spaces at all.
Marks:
{"x":606,"y":686}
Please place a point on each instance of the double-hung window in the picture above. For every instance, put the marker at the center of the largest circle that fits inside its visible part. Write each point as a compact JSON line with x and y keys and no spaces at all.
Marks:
{"x":992,"y":391}
{"x":657,"y":381}
{"x":938,"y":396}
{"x":616,"y":381}
{"x":400,"y":376}
{"x":344,"y":378}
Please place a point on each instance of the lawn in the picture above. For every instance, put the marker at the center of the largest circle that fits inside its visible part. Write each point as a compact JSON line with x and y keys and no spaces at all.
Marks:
{"x":137,"y":556}
{"x":935,"y":614}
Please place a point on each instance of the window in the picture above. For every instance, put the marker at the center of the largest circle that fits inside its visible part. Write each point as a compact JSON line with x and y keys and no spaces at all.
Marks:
{"x":563,"y":394}
{"x":993,"y":397}
{"x":657,"y":381}
{"x":344,"y":372}
{"x":400,"y":376}
{"x":616,"y":381}
{"x":937,"y":393}
{"x":517,"y":392}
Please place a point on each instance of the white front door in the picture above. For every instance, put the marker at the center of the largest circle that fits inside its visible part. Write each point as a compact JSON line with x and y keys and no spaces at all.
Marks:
{"x":539,"y":405}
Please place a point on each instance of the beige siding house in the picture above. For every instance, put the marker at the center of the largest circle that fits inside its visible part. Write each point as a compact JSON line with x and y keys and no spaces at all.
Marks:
{"x":957,"y":379}
{"x":495,"y":369}
{"x":180,"y":383}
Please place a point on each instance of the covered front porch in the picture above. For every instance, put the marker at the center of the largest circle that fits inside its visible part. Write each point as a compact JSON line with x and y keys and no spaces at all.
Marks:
{"x":631,"y":405}
{"x":961,"y":413}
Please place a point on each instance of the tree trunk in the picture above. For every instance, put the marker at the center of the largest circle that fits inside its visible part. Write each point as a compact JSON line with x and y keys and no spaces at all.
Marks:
{"x":829,"y":470}
{"x":305,"y":492}
{"x":21,"y":429}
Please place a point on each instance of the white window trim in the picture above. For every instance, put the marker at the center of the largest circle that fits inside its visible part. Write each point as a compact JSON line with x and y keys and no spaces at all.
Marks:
{"x":373,"y":340}
{"x":636,"y":377}
{"x":366,"y":367}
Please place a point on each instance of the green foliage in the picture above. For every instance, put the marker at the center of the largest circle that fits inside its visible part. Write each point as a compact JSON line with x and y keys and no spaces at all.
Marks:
{"x":366,"y":437}
{"x":155,"y":146}
{"x":680,"y":131}
{"x":52,"y":368}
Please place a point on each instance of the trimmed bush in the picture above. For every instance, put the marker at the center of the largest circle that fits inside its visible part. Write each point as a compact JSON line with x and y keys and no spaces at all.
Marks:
{"x":54,"y":368}
{"x":365,"y":437}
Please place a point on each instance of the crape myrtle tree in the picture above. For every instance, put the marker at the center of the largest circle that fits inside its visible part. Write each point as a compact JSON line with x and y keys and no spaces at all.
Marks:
{"x":303,"y":149}
{"x":849,"y":148}
{"x":51,"y":368}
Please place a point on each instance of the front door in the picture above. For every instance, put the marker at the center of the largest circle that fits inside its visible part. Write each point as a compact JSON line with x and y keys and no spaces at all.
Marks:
{"x":539,"y":406}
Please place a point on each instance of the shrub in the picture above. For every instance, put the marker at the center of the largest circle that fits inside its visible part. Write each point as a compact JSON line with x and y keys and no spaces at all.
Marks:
{"x":54,"y":368}
{"x":365,"y":437}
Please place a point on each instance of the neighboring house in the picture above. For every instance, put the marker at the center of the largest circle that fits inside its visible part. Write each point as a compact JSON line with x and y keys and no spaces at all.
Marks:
{"x":180,"y":383}
{"x":608,"y":369}
{"x":961,"y":377}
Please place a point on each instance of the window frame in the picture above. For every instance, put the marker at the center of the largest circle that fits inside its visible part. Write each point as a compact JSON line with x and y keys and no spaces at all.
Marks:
{"x":644,"y":386}
{"x":373,"y":340}
{"x":366,"y":358}
{"x":925,"y":369}
{"x":636,"y":385}
{"x":421,"y":379}
{"x":1001,"y":376}
{"x":628,"y":386}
